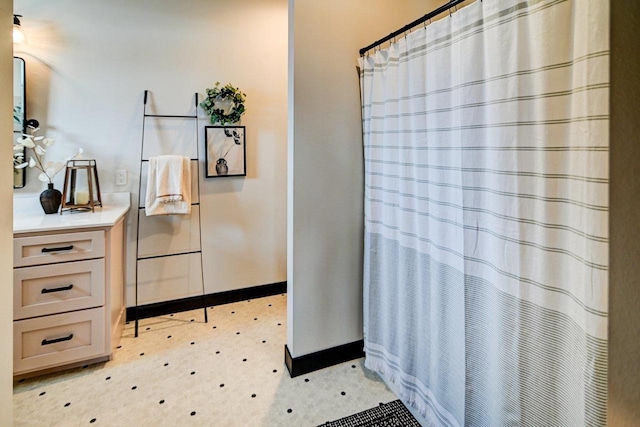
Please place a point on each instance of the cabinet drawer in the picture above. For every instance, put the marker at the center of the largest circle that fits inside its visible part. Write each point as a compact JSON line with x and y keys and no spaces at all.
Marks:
{"x":53,"y":248}
{"x":58,"y":339}
{"x":50,"y":289}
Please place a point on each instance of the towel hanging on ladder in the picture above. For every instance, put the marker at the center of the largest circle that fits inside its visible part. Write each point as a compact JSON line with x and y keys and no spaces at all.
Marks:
{"x":168,"y":186}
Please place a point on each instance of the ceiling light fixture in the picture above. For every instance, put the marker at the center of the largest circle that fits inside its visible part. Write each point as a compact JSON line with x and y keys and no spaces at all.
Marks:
{"x":18,"y":34}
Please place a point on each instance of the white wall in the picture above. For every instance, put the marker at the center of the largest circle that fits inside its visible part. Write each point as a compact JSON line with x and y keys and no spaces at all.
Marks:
{"x":6,"y":218}
{"x":88,"y":64}
{"x":325,"y":207}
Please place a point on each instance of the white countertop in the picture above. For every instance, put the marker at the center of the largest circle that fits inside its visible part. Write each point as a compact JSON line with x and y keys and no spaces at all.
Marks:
{"x":28,"y":216}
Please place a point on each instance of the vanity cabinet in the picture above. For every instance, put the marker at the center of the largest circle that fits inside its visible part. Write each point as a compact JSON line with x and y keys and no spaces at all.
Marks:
{"x":68,"y":287}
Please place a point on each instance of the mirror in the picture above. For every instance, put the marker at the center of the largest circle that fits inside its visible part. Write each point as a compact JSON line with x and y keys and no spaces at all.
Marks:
{"x":19,"y":113}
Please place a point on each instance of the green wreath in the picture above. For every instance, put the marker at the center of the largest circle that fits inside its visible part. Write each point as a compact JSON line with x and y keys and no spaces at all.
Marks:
{"x":218,"y":94}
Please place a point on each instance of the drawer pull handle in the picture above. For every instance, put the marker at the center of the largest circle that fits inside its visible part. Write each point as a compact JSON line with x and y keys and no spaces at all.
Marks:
{"x":63,"y":288}
{"x":48,"y":342}
{"x":58,"y":249}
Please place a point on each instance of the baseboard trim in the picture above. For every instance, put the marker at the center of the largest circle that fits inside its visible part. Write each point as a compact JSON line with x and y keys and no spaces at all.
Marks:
{"x":322,"y":359}
{"x":208,"y":300}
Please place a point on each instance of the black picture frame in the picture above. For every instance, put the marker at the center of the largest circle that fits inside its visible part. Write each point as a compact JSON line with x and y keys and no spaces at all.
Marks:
{"x":226,"y":151}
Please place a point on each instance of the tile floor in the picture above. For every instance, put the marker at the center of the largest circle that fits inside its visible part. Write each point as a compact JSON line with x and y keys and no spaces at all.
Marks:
{"x":184,"y":372}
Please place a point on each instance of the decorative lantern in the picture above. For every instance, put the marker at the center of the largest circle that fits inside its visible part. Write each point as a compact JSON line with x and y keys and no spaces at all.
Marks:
{"x":81,"y":190}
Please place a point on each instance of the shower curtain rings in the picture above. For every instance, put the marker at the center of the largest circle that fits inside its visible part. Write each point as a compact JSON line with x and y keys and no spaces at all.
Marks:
{"x":456,"y":9}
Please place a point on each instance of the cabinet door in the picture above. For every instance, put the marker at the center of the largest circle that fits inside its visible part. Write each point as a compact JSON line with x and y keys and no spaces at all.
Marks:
{"x":53,"y":248}
{"x":50,"y":289}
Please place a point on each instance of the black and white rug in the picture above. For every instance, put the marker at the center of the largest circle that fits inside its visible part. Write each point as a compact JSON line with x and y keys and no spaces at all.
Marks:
{"x":392,"y":414}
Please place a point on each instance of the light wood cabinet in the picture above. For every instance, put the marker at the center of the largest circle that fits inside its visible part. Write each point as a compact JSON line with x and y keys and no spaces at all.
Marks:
{"x":68,"y":297}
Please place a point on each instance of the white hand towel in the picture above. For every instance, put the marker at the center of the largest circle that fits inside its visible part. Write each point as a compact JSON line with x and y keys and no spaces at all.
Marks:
{"x":168,"y":186}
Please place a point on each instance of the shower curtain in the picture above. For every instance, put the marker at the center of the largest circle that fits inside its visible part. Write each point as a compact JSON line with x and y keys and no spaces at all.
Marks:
{"x":486,"y":214}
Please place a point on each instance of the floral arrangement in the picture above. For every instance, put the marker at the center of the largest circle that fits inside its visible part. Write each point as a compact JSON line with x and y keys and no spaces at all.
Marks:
{"x":219,"y":96}
{"x":37,"y":145}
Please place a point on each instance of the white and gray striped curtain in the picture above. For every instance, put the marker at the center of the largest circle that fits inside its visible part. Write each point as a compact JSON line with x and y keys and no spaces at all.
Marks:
{"x":486,"y":214}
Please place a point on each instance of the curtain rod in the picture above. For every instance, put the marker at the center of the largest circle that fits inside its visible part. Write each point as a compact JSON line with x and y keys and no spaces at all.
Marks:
{"x":408,"y":27}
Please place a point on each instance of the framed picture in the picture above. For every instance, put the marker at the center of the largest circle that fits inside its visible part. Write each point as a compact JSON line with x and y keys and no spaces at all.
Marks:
{"x":226,"y":151}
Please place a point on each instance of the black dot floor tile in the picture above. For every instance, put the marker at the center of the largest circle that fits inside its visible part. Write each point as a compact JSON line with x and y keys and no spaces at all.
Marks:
{"x":191,"y":371}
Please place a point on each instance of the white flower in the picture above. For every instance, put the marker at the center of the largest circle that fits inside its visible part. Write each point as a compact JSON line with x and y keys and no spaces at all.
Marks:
{"x":38,"y":146}
{"x":27,"y":142}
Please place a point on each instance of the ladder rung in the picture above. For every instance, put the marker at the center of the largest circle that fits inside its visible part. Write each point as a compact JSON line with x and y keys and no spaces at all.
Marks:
{"x":168,"y":255}
{"x":146,"y":160}
{"x":168,"y":116}
{"x":192,"y":204}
